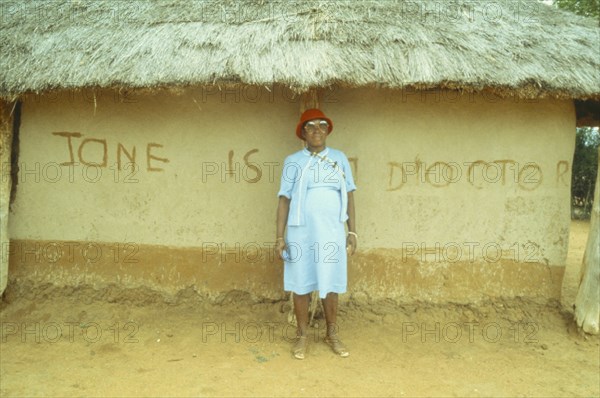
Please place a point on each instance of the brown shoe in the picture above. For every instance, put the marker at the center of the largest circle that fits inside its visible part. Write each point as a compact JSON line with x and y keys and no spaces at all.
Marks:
{"x":300,"y":347}
{"x":337,"y":346}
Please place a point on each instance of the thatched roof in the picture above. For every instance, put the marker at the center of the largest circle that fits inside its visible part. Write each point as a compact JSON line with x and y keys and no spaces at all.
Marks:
{"x":512,"y":47}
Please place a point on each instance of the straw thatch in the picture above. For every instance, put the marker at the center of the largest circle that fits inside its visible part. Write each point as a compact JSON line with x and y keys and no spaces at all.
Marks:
{"x":512,"y":47}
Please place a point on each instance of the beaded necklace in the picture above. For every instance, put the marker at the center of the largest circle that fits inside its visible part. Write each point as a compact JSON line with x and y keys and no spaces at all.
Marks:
{"x":330,"y":161}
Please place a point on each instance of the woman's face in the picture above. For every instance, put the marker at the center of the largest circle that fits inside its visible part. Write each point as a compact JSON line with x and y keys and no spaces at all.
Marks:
{"x":315,"y":132}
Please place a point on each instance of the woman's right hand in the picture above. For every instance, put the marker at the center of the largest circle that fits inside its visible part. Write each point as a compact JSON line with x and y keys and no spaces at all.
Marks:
{"x":280,"y":247}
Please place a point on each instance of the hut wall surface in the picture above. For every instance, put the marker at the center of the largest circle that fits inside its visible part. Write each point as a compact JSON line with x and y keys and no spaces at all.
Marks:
{"x":461,"y":197}
{"x":6,"y":138}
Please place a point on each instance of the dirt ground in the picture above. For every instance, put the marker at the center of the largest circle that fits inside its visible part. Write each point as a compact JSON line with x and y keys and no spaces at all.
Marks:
{"x":68,"y":344}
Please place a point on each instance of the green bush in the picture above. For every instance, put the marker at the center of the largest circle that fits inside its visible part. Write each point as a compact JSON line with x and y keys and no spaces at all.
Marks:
{"x":585,"y":168}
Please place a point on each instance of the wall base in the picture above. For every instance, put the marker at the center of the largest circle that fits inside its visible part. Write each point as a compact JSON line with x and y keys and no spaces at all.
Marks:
{"x":251,"y":272}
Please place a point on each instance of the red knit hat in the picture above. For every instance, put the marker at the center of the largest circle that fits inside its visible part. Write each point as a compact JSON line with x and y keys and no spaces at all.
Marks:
{"x":311,"y":114}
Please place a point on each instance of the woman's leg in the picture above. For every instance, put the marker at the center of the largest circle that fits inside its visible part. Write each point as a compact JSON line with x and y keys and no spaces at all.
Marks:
{"x":301,"y":310}
{"x":330,"y":304}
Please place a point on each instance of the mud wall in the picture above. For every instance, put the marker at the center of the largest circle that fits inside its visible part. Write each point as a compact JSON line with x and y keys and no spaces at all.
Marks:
{"x":460,"y":197}
{"x":6,"y":126}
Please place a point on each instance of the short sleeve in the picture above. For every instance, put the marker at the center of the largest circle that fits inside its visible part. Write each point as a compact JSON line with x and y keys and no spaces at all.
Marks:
{"x":289,"y":175}
{"x":350,"y":186}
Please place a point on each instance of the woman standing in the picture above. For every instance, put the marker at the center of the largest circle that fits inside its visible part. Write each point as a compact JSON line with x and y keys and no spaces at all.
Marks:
{"x":315,"y":201}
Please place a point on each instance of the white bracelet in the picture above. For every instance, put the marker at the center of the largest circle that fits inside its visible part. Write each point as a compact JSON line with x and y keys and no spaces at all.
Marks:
{"x":353,"y":233}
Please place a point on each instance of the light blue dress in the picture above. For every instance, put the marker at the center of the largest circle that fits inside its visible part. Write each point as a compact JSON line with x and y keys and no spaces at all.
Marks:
{"x":317,"y":185}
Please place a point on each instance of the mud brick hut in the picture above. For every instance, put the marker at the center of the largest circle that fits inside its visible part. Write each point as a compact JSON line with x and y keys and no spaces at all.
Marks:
{"x":143,"y":142}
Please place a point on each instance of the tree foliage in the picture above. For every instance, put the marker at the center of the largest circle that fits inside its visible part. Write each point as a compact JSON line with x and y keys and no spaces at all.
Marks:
{"x":588,"y":8}
{"x":585,"y":167}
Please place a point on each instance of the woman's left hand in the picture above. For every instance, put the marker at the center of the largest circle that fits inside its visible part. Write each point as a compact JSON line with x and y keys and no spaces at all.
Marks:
{"x":351,"y":244}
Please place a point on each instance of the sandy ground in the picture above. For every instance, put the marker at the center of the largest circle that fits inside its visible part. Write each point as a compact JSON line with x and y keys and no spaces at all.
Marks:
{"x":64,"y":345}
